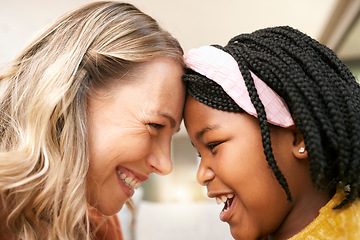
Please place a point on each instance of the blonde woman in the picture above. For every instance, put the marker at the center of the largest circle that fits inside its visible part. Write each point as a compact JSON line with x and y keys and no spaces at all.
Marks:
{"x":87,"y":113}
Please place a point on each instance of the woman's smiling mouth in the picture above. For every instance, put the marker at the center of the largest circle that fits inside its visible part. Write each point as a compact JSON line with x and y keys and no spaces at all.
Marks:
{"x":129,"y":180}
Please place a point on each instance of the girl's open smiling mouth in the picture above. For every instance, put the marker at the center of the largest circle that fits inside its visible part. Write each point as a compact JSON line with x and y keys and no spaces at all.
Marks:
{"x":229,"y":201}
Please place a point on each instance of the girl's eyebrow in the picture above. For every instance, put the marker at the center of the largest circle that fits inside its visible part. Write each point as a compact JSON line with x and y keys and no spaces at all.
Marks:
{"x":206,"y":129}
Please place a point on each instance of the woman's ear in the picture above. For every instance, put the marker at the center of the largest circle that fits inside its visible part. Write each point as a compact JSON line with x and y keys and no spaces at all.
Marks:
{"x":299,"y":149}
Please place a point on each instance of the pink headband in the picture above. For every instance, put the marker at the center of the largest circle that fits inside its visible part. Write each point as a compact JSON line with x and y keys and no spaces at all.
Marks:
{"x":222,"y":68}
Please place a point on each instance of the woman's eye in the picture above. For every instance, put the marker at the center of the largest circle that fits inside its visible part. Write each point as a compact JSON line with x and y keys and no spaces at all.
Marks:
{"x":156,"y":125}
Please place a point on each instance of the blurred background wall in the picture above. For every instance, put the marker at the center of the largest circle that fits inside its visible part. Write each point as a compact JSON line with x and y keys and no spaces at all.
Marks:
{"x":176,"y":207}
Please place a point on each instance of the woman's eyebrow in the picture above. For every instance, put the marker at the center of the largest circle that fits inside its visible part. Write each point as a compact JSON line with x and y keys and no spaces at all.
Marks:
{"x":170,"y":118}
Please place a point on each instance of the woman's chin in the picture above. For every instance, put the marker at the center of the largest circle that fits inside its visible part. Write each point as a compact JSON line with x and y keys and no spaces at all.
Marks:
{"x":108,"y":209}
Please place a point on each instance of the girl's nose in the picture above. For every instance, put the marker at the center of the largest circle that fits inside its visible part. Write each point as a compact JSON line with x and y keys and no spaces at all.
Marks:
{"x":204,"y":174}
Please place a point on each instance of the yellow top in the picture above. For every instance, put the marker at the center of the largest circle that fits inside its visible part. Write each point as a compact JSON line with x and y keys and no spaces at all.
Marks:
{"x":343,"y":224}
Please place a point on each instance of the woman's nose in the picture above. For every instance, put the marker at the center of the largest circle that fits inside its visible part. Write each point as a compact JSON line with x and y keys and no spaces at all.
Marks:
{"x":204,"y":174}
{"x":159,"y":161}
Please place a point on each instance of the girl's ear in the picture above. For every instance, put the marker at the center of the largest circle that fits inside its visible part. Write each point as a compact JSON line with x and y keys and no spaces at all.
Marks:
{"x":299,"y":149}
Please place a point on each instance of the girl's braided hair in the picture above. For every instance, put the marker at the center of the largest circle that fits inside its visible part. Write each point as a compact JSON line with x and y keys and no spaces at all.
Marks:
{"x":320,"y":91}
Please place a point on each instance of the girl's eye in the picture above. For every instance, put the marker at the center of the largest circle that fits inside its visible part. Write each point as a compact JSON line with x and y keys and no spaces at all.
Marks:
{"x":156,"y":125}
{"x":212,"y":145}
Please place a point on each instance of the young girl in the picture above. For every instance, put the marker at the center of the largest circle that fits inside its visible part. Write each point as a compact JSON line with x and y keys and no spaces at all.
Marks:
{"x":275,"y":117}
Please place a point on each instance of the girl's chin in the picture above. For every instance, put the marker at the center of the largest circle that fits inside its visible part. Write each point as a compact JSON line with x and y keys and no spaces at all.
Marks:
{"x":242,"y":235}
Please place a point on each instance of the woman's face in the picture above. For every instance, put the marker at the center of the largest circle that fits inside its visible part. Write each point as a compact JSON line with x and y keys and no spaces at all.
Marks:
{"x":130,"y":130}
{"x":234,"y":169}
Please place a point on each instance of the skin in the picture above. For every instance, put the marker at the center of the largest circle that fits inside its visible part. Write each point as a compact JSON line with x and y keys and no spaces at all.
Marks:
{"x":131,"y":128}
{"x":233,"y":161}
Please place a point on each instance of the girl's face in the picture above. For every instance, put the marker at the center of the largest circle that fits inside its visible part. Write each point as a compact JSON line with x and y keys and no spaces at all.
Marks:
{"x":130,"y":130}
{"x":234,"y":169}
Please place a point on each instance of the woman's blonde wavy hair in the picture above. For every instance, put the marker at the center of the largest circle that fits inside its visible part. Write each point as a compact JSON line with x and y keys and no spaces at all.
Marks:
{"x":43,"y":92}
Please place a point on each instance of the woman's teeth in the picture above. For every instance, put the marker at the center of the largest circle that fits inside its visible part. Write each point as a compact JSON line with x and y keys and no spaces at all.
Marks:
{"x":129,"y":181}
{"x":223,"y":198}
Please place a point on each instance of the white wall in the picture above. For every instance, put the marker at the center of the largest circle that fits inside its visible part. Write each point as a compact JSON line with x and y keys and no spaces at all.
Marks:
{"x":193,"y":22}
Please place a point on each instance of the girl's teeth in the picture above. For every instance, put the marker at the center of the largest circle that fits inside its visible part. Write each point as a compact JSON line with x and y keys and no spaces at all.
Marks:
{"x":230,"y":195}
{"x":224,"y":198}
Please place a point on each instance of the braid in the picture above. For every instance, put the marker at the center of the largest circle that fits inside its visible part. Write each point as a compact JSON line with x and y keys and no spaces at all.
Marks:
{"x":320,"y":91}
{"x":209,"y":92}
